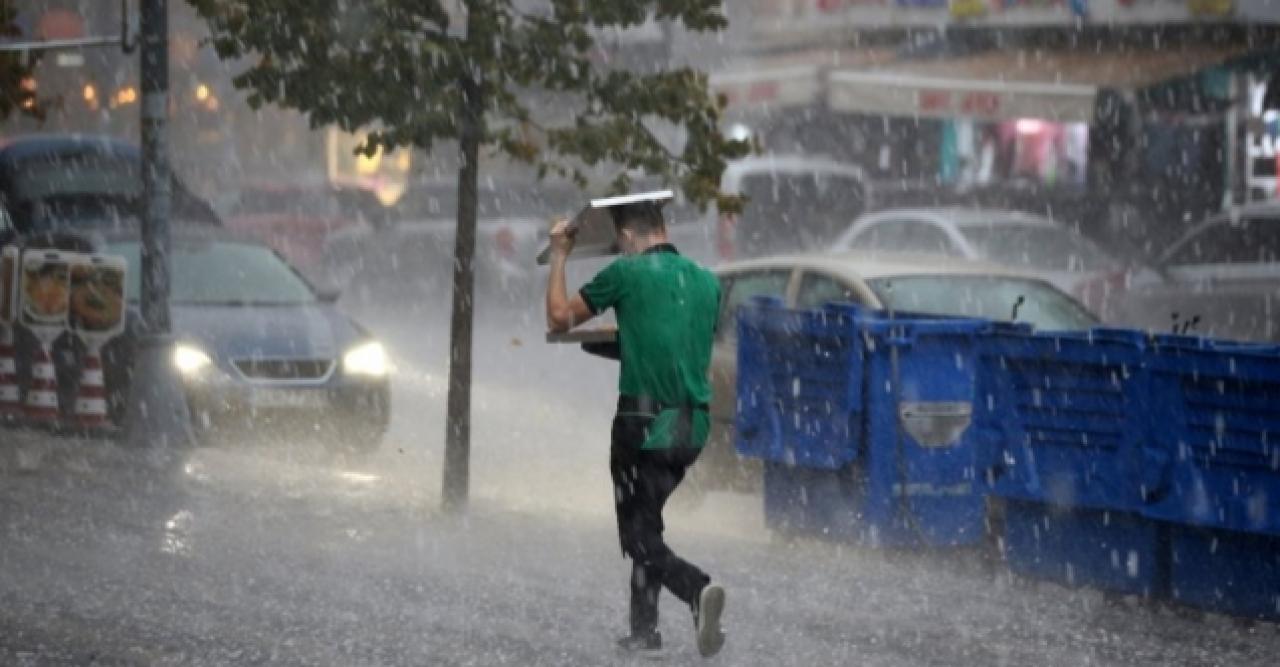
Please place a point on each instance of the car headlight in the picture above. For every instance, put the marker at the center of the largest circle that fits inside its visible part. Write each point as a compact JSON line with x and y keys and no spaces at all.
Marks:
{"x":190,"y":360}
{"x":367,"y":359}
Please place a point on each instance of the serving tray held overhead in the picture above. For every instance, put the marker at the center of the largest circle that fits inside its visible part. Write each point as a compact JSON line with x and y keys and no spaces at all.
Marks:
{"x":593,"y":225}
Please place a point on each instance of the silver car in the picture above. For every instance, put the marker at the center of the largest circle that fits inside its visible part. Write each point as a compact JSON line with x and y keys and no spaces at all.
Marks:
{"x":1221,"y":279}
{"x":1033,"y":243}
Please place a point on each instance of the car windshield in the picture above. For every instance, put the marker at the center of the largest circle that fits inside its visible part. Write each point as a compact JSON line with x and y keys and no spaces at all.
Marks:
{"x":1254,"y":240}
{"x":988,"y":297}
{"x":81,"y":212}
{"x":101,"y":176}
{"x":222,"y":273}
{"x":1042,"y":247}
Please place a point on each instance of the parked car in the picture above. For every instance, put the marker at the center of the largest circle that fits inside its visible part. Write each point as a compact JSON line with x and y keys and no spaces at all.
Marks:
{"x":53,"y":182}
{"x":1221,"y":279}
{"x":258,"y":347}
{"x":915,"y":283}
{"x":793,"y":203}
{"x":1034,"y":243}
{"x":310,"y":225}
{"x":412,"y":259}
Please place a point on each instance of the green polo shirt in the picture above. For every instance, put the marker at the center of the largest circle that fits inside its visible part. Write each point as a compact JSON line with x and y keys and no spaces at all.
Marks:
{"x":667,"y":307}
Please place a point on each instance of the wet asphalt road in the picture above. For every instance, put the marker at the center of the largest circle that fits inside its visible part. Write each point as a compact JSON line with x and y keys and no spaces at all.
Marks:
{"x":271,"y":553}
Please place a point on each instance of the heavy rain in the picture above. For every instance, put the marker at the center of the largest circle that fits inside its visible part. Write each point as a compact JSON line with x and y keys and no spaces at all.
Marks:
{"x":971,"y":332}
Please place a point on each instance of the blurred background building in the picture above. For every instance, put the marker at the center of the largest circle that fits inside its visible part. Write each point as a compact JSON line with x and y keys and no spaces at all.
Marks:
{"x":1095,"y":109}
{"x":1091,"y":109}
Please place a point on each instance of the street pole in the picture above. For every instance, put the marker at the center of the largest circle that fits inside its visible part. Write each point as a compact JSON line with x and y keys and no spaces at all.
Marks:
{"x":154,"y":73}
{"x":158,"y":414}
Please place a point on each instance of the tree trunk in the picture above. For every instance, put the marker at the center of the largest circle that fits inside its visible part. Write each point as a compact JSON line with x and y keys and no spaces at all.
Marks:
{"x":457,"y":437}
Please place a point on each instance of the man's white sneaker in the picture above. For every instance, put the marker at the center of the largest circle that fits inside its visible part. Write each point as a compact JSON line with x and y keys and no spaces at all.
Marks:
{"x":707,"y":620}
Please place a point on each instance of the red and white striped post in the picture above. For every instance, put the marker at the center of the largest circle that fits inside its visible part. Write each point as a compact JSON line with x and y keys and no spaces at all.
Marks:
{"x":42,"y":394}
{"x":10,"y":392}
{"x":91,"y":396}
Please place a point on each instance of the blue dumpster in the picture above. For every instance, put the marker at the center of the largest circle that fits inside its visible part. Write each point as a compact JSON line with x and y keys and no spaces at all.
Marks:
{"x":862,"y":421}
{"x":1063,"y":422}
{"x":1217,"y":407}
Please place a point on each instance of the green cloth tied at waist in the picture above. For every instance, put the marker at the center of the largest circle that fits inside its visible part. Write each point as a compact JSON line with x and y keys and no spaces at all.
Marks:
{"x":680,"y":425}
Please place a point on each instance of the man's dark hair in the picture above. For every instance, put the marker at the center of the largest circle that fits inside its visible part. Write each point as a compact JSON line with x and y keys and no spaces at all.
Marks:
{"x":643,"y":218}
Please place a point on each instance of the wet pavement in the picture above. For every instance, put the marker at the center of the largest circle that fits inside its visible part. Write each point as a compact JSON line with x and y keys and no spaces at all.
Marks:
{"x":275,"y":553}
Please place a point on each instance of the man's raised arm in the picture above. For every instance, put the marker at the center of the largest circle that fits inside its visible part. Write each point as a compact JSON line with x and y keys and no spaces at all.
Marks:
{"x":563,"y":312}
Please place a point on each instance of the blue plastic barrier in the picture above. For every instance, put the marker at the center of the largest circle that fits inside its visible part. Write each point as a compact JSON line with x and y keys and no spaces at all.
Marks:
{"x":1064,"y":419}
{"x":1138,"y":463}
{"x":799,"y":386}
{"x":1216,"y":410}
{"x":1226,"y":571}
{"x":1064,"y":424}
{"x":1217,"y":407}
{"x":863,"y":423}
{"x":1109,"y":549}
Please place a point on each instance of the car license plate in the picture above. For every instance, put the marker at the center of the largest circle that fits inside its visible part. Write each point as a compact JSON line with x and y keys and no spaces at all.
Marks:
{"x":286,"y":398}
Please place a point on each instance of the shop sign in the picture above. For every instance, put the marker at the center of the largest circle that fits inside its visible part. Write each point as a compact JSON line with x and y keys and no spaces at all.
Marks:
{"x":965,"y":103}
{"x":766,"y":88}
{"x":973,"y":8}
{"x":832,"y":6}
{"x":1007,"y":5}
{"x":1210,"y":7}
{"x":58,"y":24}
{"x":967,"y":9}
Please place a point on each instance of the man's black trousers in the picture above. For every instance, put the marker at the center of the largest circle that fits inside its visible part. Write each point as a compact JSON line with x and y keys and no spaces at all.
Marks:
{"x":642,"y":482}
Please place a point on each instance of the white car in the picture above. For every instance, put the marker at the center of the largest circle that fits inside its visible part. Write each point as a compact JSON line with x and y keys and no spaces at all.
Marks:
{"x":1030,"y":242}
{"x":1220,"y":279}
{"x":413,"y":258}
{"x":794,"y":203}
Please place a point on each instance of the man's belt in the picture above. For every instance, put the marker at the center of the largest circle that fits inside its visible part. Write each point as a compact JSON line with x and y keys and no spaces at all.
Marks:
{"x":648,"y":406}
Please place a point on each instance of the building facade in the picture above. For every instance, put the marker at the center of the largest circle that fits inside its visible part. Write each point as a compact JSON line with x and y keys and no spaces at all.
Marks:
{"x":1092,"y":109}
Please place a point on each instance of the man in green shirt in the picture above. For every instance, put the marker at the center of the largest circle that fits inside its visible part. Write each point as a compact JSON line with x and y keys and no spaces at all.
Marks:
{"x":666,"y":307}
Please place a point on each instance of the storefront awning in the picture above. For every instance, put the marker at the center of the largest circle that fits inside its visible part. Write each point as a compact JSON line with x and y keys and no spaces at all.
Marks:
{"x":789,"y":80}
{"x":1059,"y":86}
